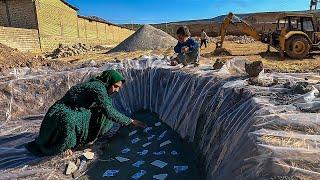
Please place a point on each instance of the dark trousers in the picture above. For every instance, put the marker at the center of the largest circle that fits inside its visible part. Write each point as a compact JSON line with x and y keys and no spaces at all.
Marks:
{"x":203,"y":41}
{"x":187,"y":58}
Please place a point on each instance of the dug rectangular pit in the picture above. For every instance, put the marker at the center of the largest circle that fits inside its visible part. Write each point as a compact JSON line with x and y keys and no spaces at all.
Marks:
{"x":238,"y":131}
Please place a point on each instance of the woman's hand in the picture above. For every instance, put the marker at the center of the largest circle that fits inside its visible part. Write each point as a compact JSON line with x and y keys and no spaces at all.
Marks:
{"x":137,"y":123}
{"x":67,"y":153}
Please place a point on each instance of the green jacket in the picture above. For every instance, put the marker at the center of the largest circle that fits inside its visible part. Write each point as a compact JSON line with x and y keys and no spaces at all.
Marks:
{"x":82,"y":115}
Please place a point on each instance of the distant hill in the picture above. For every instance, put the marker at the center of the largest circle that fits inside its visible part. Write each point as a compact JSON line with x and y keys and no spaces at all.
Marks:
{"x":212,"y":25}
{"x":132,"y":26}
{"x":218,"y":19}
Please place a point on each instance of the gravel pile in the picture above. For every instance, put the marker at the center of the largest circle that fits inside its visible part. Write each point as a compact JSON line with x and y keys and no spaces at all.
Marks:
{"x":146,"y":38}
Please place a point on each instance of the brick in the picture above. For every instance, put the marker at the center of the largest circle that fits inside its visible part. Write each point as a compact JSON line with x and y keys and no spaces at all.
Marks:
{"x":57,"y":23}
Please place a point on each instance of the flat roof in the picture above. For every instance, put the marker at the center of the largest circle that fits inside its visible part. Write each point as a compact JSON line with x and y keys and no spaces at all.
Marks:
{"x":91,"y":18}
{"x":98,"y":19}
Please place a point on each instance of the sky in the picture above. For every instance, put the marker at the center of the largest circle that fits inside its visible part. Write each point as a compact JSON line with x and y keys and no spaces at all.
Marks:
{"x":161,"y":11}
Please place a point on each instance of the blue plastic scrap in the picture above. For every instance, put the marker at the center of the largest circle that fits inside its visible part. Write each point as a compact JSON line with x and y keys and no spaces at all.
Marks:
{"x":138,"y":163}
{"x":179,"y":169}
{"x":151,"y":137}
{"x":135,"y":140}
{"x":125,"y":151}
{"x":143,"y":153}
{"x":162,"y":135}
{"x":174,"y":153}
{"x":110,"y":173}
{"x":159,"y":153}
{"x":146,"y":144}
{"x":133,"y":132}
{"x":157,"y":124}
{"x":139,"y":174}
{"x":147,"y":129}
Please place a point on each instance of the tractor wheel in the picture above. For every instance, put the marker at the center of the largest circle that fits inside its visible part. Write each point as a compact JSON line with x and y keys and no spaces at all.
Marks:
{"x":297,"y":47}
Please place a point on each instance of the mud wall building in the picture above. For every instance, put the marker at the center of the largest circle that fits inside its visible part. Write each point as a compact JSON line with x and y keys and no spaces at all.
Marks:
{"x":55,"y":22}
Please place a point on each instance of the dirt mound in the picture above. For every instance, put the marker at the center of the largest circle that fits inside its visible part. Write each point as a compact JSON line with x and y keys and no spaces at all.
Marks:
{"x":12,"y":58}
{"x":221,"y":52}
{"x":72,"y":50}
{"x":146,"y":38}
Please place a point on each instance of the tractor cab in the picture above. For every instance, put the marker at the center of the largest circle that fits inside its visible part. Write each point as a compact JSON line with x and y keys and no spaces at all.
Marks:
{"x":296,"y":23}
{"x":296,"y":35}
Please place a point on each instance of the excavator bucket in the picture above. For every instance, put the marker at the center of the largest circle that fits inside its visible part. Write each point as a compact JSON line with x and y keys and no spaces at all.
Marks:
{"x":220,"y":51}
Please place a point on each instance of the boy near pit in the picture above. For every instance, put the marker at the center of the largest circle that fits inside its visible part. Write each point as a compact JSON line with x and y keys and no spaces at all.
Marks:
{"x":187,"y":49}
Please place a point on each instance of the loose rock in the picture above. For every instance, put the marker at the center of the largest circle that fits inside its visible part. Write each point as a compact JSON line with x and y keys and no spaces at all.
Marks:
{"x":254,"y":68}
{"x":65,"y":51}
{"x":218,"y":64}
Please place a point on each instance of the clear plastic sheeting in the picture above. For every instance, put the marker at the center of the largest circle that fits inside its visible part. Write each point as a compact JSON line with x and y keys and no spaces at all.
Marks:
{"x":241,"y":131}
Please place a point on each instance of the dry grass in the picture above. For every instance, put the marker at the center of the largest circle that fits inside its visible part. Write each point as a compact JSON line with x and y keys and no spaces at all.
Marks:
{"x":284,"y":141}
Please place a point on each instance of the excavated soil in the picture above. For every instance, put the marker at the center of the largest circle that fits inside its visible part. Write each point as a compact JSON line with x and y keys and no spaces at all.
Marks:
{"x":12,"y":58}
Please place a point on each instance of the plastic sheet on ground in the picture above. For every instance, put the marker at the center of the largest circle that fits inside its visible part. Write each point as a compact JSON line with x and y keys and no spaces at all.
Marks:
{"x":240,"y":131}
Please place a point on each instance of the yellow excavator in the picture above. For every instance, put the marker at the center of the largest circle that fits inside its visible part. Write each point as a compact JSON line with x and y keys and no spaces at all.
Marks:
{"x":295,"y":34}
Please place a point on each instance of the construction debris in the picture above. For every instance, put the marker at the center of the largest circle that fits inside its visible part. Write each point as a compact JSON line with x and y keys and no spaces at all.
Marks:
{"x":298,"y":87}
{"x":77,"y":49}
{"x":236,"y":39}
{"x":146,"y":38}
{"x":254,"y":68}
{"x":240,"y":39}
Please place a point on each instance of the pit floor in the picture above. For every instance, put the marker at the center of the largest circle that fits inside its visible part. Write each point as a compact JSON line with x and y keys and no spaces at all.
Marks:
{"x":186,"y":155}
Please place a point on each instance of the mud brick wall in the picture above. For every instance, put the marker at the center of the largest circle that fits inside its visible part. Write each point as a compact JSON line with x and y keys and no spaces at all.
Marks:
{"x":18,"y":13}
{"x":60,"y":24}
{"x":3,"y":14}
{"x":57,"y":23}
{"x":26,"y":40}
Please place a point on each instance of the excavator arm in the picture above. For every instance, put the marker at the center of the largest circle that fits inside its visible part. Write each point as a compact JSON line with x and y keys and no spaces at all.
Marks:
{"x":241,"y":25}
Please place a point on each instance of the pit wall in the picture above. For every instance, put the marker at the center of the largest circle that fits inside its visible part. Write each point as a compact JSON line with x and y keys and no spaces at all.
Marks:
{"x":237,"y":130}
{"x":215,"y":117}
{"x":236,"y":134}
